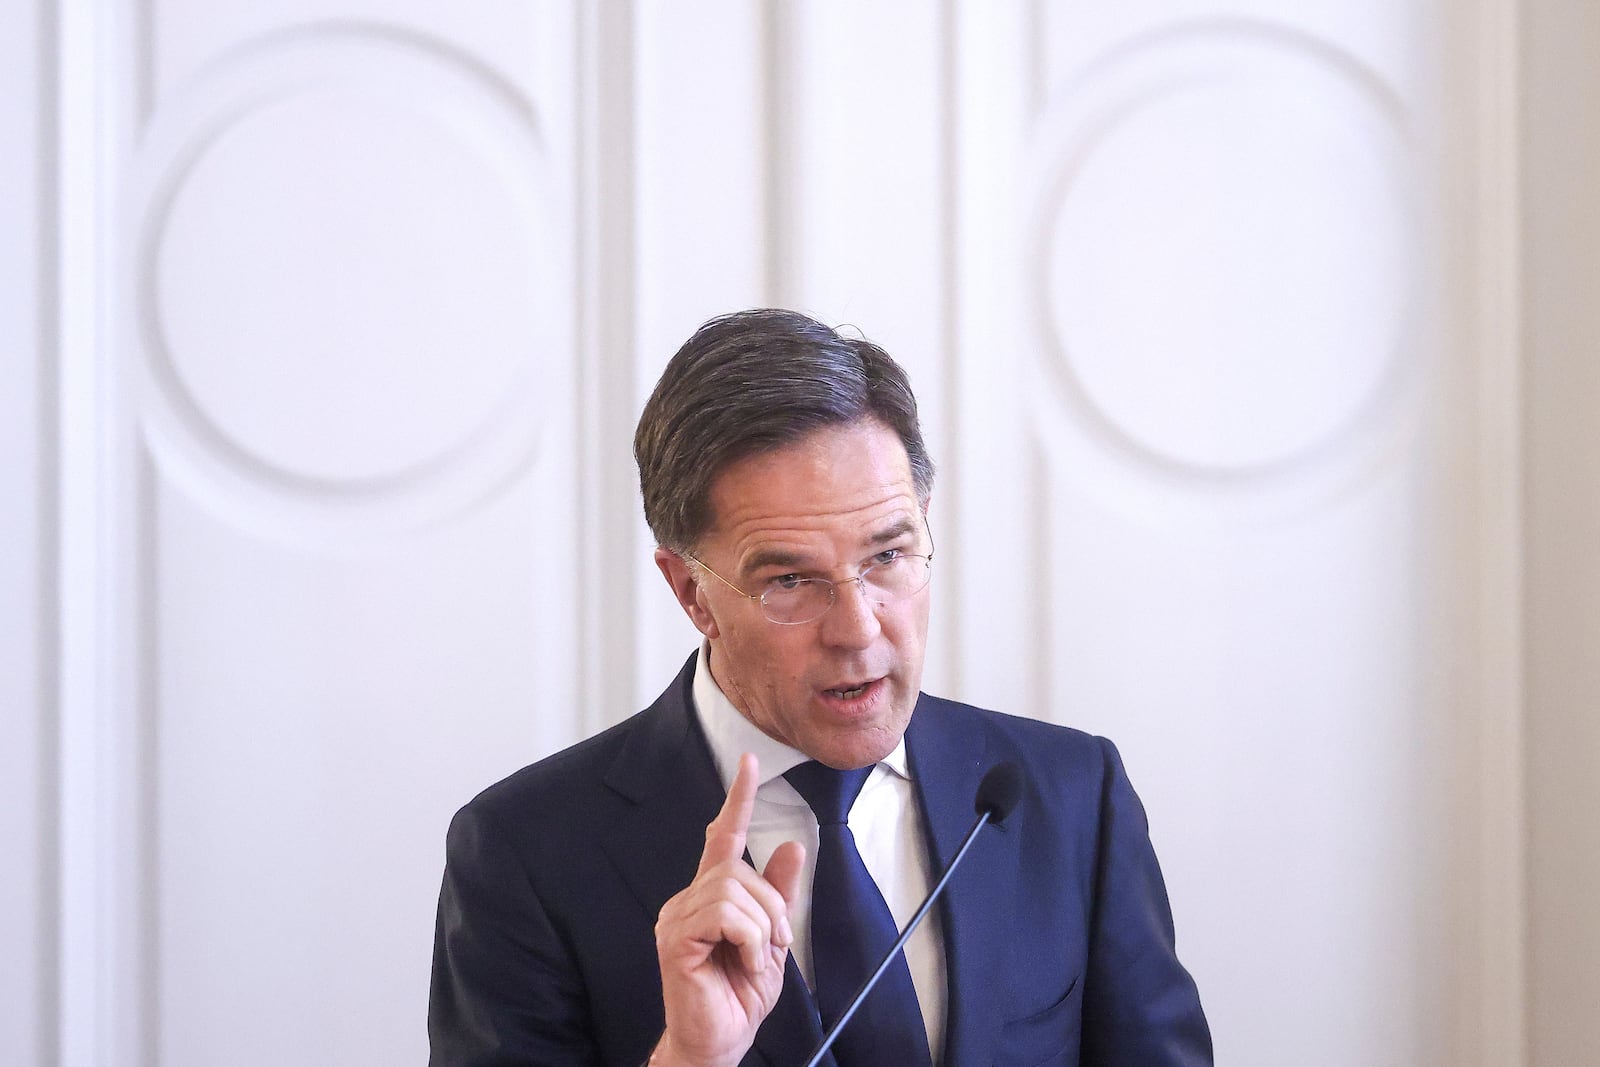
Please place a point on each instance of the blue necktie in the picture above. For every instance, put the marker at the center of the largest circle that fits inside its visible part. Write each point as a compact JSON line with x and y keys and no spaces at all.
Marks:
{"x":851,"y":929}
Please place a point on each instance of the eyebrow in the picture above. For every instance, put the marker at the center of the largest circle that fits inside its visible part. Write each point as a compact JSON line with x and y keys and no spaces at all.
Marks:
{"x":894,"y":532}
{"x":772,"y":557}
{"x":779,"y":557}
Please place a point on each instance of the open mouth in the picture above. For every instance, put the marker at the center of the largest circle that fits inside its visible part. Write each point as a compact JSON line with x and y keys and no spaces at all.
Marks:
{"x":855,"y":692}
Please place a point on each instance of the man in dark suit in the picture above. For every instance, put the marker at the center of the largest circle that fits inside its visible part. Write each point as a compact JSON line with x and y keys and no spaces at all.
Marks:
{"x":605,"y":906}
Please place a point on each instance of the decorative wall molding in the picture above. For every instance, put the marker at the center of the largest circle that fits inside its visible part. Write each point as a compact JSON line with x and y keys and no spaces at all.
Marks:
{"x":400,"y":422}
{"x":1278,"y":383}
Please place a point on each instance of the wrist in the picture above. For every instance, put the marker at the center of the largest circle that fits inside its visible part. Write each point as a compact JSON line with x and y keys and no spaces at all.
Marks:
{"x":665,"y":1054}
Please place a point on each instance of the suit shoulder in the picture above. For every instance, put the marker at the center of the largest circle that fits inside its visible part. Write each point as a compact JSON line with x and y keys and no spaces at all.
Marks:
{"x":577,"y":772}
{"x":1018,"y":727}
{"x":1031,"y":742}
{"x":557,"y":778}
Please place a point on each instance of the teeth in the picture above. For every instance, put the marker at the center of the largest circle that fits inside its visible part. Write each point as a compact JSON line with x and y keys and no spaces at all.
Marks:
{"x":849,"y":694}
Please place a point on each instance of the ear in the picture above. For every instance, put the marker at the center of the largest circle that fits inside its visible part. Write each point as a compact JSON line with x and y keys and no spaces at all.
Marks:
{"x":680,"y":578}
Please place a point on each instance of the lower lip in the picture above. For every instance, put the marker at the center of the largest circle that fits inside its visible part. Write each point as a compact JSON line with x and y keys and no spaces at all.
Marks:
{"x":854,"y":705}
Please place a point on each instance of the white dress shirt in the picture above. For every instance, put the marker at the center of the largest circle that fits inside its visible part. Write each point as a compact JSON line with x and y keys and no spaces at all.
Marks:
{"x":884,"y":820}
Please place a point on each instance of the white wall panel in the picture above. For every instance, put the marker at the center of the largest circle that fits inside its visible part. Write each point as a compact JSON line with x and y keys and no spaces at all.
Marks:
{"x":337,"y":488}
{"x":321,"y":714}
{"x":28,"y":709}
{"x":1207,"y":244}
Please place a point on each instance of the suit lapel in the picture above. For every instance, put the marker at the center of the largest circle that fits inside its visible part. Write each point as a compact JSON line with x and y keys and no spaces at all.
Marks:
{"x":666,"y":772}
{"x":948,"y":751}
{"x":794,"y":1029}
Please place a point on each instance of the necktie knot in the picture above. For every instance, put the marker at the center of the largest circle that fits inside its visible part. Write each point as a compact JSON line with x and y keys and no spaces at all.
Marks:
{"x":829,"y":792}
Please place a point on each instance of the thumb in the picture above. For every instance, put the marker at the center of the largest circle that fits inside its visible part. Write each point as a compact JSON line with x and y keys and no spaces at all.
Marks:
{"x":783,"y":870}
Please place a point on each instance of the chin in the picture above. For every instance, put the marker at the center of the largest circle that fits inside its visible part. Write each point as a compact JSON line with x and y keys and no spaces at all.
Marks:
{"x":855,"y":752}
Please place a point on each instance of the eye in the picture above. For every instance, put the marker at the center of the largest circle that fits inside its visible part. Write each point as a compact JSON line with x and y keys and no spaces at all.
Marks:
{"x":888,"y":555}
{"x":786,"y":582}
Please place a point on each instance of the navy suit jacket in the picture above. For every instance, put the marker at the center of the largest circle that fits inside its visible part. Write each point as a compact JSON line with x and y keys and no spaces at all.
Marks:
{"x":1058,"y":935}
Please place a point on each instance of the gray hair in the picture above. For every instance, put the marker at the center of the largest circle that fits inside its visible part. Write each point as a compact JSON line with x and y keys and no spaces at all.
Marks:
{"x":752,"y":382}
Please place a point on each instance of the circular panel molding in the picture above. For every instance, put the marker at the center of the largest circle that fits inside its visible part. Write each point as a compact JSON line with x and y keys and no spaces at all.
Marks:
{"x":1227,"y":255}
{"x":343,"y":276}
{"x":323,"y":283}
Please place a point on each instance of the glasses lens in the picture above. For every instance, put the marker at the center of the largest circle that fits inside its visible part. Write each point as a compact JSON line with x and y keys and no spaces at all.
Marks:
{"x":810,"y":598}
{"x":900,"y":577}
{"x":802,"y":601}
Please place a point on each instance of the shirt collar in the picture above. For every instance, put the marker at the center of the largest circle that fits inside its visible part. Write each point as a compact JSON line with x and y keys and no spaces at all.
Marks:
{"x":730,"y":734}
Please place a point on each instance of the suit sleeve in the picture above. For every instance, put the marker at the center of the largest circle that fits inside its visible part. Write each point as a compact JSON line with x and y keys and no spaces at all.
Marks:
{"x":1141,"y":1007}
{"x":506,"y":991}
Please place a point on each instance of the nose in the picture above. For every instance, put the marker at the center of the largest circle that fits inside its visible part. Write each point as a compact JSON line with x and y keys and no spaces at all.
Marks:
{"x":852,"y":622}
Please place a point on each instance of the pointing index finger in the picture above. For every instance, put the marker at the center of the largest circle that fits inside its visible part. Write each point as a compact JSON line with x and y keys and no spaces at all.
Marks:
{"x":725,"y":837}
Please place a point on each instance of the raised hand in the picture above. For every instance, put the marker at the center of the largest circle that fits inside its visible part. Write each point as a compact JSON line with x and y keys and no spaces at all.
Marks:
{"x":723,"y":940}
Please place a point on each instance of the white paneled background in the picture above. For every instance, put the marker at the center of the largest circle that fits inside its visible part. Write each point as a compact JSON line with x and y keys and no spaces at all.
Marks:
{"x":1254,"y":342}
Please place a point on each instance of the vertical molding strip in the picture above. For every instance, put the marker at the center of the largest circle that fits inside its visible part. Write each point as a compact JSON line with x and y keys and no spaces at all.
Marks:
{"x":108,"y":931}
{"x":608,"y":339}
{"x":48,"y":882}
{"x":85,"y":908}
{"x":1039,"y":660}
{"x":950,"y":314}
{"x":139,"y":793}
{"x":1035,"y":43}
{"x":779,"y":31}
{"x":135,"y":613}
{"x":142,"y":70}
{"x":1499,"y":1010}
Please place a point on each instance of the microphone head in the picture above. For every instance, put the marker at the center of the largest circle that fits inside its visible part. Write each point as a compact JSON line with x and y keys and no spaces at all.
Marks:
{"x":999,"y":791}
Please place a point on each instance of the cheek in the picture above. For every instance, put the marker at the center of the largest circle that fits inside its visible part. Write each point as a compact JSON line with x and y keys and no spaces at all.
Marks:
{"x":766,"y":664}
{"x":781,"y":672}
{"x":908,"y":628}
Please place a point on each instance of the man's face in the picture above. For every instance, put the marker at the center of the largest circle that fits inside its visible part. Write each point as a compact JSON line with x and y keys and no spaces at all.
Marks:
{"x":842,"y":687}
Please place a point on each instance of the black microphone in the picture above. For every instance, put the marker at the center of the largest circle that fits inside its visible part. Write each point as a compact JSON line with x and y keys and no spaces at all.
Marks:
{"x":996,"y":798}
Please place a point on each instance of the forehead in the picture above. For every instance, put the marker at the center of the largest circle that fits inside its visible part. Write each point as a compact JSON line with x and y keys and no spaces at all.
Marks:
{"x":837,"y":482}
